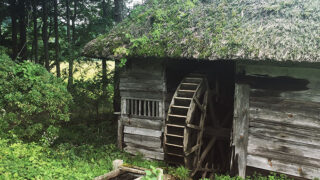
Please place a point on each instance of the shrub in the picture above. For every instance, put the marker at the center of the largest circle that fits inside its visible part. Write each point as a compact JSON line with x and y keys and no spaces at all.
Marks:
{"x":32,"y":101}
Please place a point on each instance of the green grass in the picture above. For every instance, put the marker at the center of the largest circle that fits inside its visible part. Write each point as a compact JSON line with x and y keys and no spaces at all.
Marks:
{"x":80,"y":153}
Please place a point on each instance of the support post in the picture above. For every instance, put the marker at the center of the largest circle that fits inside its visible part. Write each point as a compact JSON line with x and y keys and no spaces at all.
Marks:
{"x":240,"y":129}
{"x":120,"y":134}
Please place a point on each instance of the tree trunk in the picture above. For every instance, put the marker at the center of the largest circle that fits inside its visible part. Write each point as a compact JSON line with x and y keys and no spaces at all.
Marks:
{"x":35,"y":31}
{"x":45,"y":33}
{"x":116,"y":96}
{"x":118,"y":10}
{"x":23,"y":30}
{"x":104,"y":77}
{"x":56,"y":32}
{"x":68,"y":20}
{"x":71,"y":59}
{"x":74,"y":22}
{"x":14,"y":29}
{"x":116,"y":99}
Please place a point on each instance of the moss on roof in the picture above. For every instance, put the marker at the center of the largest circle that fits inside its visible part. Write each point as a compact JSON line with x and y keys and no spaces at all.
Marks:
{"x":224,"y":29}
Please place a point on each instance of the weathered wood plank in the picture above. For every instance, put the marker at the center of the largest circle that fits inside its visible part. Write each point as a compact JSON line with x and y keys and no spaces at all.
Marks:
{"x":305,"y":108}
{"x":260,"y":142}
{"x":283,"y":133}
{"x":278,"y":126}
{"x":240,"y":127}
{"x":311,"y":95}
{"x":286,"y":157}
{"x":145,"y":153}
{"x":142,"y":123}
{"x":142,"y":131}
{"x":142,"y":94}
{"x":143,"y":141}
{"x":141,"y":87}
{"x":283,"y":167}
{"x":290,"y":118}
{"x":138,"y":146}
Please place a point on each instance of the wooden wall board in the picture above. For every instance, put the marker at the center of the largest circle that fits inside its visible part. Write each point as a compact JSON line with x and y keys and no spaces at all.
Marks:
{"x":145,"y":153}
{"x":275,"y":165}
{"x":142,"y":131}
{"x":143,"y":123}
{"x":146,"y":141}
{"x":284,"y":127}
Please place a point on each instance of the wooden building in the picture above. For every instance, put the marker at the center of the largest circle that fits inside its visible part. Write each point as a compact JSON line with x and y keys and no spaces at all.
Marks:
{"x":220,"y":86}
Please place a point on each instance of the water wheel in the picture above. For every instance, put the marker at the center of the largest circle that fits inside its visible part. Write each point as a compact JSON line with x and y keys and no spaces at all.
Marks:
{"x":190,"y":135}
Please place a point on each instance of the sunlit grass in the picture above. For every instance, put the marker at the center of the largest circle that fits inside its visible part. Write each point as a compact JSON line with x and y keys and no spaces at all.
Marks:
{"x":83,"y":69}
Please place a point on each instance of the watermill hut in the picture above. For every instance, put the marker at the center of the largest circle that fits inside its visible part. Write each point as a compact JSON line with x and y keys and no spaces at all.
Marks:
{"x":220,"y":85}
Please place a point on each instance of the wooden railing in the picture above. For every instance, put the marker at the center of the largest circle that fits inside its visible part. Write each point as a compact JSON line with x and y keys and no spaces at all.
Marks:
{"x":141,"y":107}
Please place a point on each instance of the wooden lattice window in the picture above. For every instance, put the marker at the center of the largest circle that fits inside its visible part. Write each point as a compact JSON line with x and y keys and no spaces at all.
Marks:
{"x":141,"y":107}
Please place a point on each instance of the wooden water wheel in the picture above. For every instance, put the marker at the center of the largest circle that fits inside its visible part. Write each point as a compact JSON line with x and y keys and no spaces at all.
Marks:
{"x":192,"y":130}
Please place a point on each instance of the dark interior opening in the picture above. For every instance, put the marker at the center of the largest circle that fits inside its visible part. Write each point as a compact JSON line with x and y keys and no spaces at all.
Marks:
{"x":221,"y":79}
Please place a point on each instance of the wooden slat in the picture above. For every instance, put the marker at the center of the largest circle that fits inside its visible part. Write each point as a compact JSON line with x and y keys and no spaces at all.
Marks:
{"x":145,"y":108}
{"x":149,"y":110}
{"x":127,"y":106}
{"x":142,"y":131}
{"x":175,"y":145}
{"x":123,"y":106}
{"x":175,"y":115}
{"x":136,"y":107}
{"x":283,"y":167}
{"x":174,"y":135}
{"x":283,"y":116}
{"x":139,"y":107}
{"x":258,"y":142}
{"x":131,"y":106}
{"x":157,"y":109}
{"x":285,"y":133}
{"x":143,"y":141}
{"x":152,"y":108}
{"x":193,"y":126}
{"x":142,"y":123}
{"x":145,"y":153}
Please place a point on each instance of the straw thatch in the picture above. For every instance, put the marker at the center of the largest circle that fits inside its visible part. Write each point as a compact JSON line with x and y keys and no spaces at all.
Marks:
{"x":223,"y":29}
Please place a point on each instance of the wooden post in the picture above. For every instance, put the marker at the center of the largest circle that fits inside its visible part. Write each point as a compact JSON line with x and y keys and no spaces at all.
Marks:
{"x":120,"y":134}
{"x":240,"y":128}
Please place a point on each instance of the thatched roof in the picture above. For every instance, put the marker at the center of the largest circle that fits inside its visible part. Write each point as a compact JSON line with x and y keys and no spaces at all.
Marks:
{"x":281,"y":30}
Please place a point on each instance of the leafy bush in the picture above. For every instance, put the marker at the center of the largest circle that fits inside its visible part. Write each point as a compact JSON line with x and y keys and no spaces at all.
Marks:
{"x":33,"y":102}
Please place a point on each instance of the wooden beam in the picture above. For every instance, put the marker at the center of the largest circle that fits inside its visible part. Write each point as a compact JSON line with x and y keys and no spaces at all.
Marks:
{"x":193,"y":126}
{"x":110,"y":175}
{"x":198,"y":104}
{"x":120,"y":135}
{"x":240,"y":128}
{"x":192,"y":149}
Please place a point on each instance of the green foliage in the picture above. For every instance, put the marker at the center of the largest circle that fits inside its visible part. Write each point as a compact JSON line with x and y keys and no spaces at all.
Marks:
{"x":180,"y":172}
{"x":33,"y":102}
{"x":152,"y":174}
{"x":272,"y":176}
{"x":79,"y":153}
{"x":91,"y":101}
{"x":31,"y":161}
